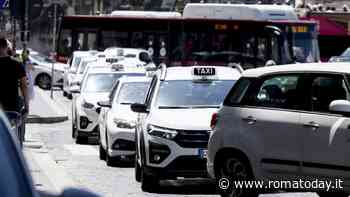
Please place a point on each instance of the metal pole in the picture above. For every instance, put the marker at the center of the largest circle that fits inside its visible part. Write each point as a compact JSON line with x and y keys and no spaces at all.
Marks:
{"x":53,"y":46}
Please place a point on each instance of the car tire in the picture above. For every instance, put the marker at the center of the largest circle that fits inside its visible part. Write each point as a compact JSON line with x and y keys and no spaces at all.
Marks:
{"x":64,"y":93}
{"x":137,"y":171}
{"x":74,"y":129}
{"x":235,"y":168}
{"x":102,"y":152}
{"x":43,"y":81}
{"x":149,"y":183}
{"x":69,"y":96}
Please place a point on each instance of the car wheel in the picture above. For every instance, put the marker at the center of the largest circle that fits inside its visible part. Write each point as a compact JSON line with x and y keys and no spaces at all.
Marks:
{"x":235,"y":168}
{"x":149,"y":183}
{"x":44,"y":81}
{"x":64,"y":93}
{"x":102,"y":152}
{"x":137,"y":170}
{"x":79,"y":139}
{"x":69,"y":96}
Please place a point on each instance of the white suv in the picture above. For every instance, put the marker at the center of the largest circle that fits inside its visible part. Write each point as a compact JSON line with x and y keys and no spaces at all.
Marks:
{"x":173,"y":127}
{"x":284,"y":123}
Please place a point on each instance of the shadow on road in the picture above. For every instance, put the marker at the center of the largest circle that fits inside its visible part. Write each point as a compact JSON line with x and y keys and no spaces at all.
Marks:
{"x":188,"y":186}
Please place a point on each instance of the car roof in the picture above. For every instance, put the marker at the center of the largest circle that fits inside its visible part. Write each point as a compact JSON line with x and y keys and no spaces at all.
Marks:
{"x":109,"y":69}
{"x":329,"y":67}
{"x":185,"y":73}
{"x":132,"y":79}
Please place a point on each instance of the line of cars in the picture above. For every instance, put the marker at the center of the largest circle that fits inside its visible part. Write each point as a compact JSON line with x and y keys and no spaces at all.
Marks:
{"x":272,"y":123}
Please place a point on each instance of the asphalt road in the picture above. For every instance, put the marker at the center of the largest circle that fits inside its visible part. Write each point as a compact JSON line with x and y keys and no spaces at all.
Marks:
{"x":81,"y":163}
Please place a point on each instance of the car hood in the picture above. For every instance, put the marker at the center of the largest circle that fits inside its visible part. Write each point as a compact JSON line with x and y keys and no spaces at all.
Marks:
{"x":183,"y":119}
{"x":124,"y":112}
{"x":93,"y":98}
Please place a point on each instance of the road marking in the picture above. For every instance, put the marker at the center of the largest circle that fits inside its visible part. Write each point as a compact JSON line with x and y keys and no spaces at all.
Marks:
{"x":81,"y":150}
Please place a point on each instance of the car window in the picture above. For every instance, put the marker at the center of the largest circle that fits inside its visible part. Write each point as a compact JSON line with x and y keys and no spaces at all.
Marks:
{"x":325,"y":89}
{"x":133,"y":92}
{"x":238,"y":91}
{"x":277,"y":92}
{"x":100,"y":82}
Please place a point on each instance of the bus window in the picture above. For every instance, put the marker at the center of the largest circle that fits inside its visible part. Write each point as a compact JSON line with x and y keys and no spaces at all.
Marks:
{"x":92,"y":41}
{"x":65,"y":43}
{"x":115,"y":39}
{"x":80,"y":43}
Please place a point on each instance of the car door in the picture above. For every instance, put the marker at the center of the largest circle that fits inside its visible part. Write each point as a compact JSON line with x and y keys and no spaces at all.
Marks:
{"x":326,"y":135}
{"x":270,"y":120}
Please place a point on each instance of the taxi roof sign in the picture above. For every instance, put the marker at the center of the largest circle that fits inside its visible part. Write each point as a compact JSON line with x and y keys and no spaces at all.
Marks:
{"x":204,"y":71}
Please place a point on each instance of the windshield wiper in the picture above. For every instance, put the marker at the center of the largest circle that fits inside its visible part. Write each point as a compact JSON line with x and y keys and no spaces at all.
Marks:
{"x":174,"y":107}
{"x":125,"y":103}
{"x":189,"y":107}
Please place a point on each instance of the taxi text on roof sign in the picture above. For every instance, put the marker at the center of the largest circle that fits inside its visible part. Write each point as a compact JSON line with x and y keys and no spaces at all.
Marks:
{"x":204,"y":71}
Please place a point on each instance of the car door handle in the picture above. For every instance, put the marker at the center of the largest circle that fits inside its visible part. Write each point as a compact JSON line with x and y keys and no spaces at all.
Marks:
{"x":250,"y":120}
{"x":312,"y":124}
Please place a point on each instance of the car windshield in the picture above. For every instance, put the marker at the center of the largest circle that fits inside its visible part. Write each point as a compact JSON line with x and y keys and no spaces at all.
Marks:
{"x":193,"y":94}
{"x":100,"y":82}
{"x":84,"y":64}
{"x":134,"y":92}
{"x":41,"y":58}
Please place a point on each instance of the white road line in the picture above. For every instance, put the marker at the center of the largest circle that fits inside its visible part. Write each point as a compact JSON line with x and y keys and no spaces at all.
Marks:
{"x":81,"y":150}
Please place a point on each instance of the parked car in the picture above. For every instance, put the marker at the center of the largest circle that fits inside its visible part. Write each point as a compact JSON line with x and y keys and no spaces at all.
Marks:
{"x":96,"y":86}
{"x":117,"y":121}
{"x":173,"y":127}
{"x":282,"y":123}
{"x":42,"y":73}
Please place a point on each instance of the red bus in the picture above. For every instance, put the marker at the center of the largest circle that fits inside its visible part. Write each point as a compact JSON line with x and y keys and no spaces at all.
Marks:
{"x":204,"y":34}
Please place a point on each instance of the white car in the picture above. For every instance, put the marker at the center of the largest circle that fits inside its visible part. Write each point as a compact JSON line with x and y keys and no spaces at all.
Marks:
{"x":71,"y":71}
{"x":117,"y":121}
{"x":42,"y":72}
{"x":173,"y":128}
{"x":131,"y":57}
{"x":287,"y":122}
{"x":95,"y":87}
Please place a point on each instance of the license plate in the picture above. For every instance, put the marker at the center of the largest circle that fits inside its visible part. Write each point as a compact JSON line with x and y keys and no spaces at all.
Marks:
{"x":202,"y":153}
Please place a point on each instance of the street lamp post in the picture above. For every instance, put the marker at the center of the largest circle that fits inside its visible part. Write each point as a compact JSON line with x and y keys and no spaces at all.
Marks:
{"x":54,"y":15}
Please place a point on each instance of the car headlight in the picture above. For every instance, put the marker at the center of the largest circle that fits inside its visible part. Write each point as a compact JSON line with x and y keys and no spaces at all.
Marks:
{"x":161,"y":132}
{"x":124,"y":124}
{"x":87,"y":105}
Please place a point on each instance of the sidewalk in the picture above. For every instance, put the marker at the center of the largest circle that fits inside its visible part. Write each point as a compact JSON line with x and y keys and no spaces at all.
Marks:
{"x":48,"y":177}
{"x":43,"y":109}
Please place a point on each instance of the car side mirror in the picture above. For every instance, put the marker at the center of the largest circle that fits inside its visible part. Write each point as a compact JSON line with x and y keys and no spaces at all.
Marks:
{"x":98,"y":110}
{"x":75,"y":89}
{"x":139,"y":108}
{"x":77,"y":193}
{"x":105,"y":104}
{"x":340,"y":106}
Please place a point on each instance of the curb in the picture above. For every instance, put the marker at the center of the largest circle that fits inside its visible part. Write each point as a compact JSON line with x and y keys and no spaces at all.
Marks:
{"x":45,"y":120}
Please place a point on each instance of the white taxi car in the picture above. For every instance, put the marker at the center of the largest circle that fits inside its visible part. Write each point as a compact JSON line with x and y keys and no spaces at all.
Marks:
{"x":174,"y":123}
{"x":282,"y":123}
{"x":69,"y":73}
{"x":117,"y":121}
{"x":96,"y":86}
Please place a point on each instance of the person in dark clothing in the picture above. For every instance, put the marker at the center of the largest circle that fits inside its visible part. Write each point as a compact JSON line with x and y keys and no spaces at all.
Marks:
{"x":12,"y":78}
